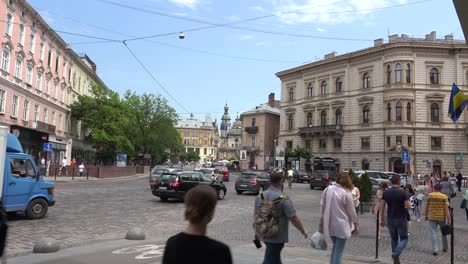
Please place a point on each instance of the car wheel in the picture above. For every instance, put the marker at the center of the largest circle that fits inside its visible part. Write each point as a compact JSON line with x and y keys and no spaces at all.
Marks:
{"x":238,"y":192}
{"x":221,"y":194}
{"x":163,"y":198}
{"x":37,"y":209}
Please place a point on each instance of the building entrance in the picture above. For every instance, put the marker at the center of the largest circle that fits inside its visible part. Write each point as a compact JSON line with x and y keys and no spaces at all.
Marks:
{"x":398,"y":166}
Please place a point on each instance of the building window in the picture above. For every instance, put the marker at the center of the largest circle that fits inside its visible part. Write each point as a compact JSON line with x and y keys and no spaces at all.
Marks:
{"x":365,"y":164}
{"x":338,"y":117}
{"x":2,"y":101}
{"x":365,"y":143}
{"x":436,"y":143}
{"x":310,"y":89}
{"x":399,"y":111}
{"x":339,"y":84}
{"x":55,"y":91}
{"x":290,"y":122}
{"x":39,"y":81}
{"x":32,"y":44}
{"x":434,"y":76}
{"x":389,"y":112}
{"x":29,"y":74}
{"x":205,"y":151}
{"x":410,"y":141}
{"x":9,"y":24}
{"x":289,"y":144}
{"x":323,"y":118}
{"x":26,"y":110}
{"x":49,"y":58}
{"x":434,"y":113}
{"x":365,"y":114}
{"x":47,"y":86}
{"x":41,"y":51}
{"x":337,"y":143}
{"x":399,"y":140}
{"x":254,"y":121}
{"x":19,"y":66}
{"x":388,"y":141}
{"x":44,"y":115}
{"x":309,"y":120}
{"x":57,"y":62}
{"x":307,"y":144}
{"x":408,"y":73}
{"x":14,"y":106}
{"x":323,"y":143}
{"x":398,"y":73}
{"x":291,"y":91}
{"x":21,"y":35}
{"x":366,"y":80}
{"x":389,"y":74}
{"x":408,"y":112}
{"x":62,"y":95}
{"x":324,"y":87}
{"x":64,"y":70}
{"x":52,"y":118}
{"x":59,"y":125}
{"x":6,"y":58}
{"x":36,"y":112}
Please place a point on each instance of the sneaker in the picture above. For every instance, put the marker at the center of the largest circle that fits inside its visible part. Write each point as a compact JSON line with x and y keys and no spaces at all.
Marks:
{"x":396,"y":259}
{"x":435,"y":253}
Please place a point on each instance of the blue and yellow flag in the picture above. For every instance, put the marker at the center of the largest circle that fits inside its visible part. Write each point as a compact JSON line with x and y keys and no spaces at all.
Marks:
{"x":458,"y":102}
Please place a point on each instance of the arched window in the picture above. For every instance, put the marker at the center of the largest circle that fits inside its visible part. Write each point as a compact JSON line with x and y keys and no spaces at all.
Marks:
{"x":389,"y":112}
{"x":309,"y":120}
{"x":324,"y":87}
{"x":339,"y":84}
{"x":6,"y":58}
{"x":398,"y":73}
{"x":389,"y":74}
{"x":408,"y":73}
{"x":323,"y":118}
{"x":365,"y":164}
{"x":309,"y":90}
{"x":291,"y":94}
{"x":408,"y":111}
{"x":366,"y":80}
{"x":338,"y":117}
{"x":365,"y":114}
{"x":398,"y":109}
{"x":290,"y":122}
{"x":434,"y":76}
{"x":435,"y":113}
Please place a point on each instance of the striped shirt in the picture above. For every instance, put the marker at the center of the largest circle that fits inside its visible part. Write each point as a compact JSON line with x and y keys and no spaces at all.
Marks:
{"x":436,"y":202}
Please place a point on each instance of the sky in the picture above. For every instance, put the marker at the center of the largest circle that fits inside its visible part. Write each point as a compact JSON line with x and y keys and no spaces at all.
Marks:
{"x":232,"y":48}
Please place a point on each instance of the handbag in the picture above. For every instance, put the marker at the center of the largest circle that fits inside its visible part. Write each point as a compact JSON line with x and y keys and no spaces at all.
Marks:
{"x":446,"y":230}
{"x":318,"y":241}
{"x":463,"y":204}
{"x":453,"y":194}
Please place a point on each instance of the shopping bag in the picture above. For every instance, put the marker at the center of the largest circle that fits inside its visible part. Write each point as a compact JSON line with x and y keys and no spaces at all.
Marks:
{"x":446,"y":230}
{"x":318,"y":241}
{"x":463,"y":204}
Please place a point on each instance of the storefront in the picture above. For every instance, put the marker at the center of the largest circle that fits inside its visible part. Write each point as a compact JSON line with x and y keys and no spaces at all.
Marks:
{"x":59,"y":149}
{"x":31,"y":140}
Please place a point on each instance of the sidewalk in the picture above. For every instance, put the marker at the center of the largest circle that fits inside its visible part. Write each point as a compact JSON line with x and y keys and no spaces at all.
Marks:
{"x":83,"y":178}
{"x":151,"y":251}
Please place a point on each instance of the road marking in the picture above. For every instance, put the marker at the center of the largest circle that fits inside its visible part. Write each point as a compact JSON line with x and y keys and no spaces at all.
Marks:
{"x":143,"y":251}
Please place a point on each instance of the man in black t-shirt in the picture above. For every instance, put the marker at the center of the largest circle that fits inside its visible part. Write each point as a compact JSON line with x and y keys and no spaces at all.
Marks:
{"x":397,"y":202}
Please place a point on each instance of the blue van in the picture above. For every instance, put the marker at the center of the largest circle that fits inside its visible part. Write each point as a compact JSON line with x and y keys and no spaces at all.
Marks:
{"x":24,"y":189}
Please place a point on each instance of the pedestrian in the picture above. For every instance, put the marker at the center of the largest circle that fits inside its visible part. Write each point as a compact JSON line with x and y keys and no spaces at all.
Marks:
{"x":356,"y":196}
{"x":465,"y":198}
{"x":409,"y":179}
{"x":419,"y":191}
{"x":438,"y":214}
{"x":396,"y":201}
{"x":284,"y":212}
{"x":447,"y":188}
{"x":339,"y":218}
{"x":376,"y":205}
{"x":192,"y":245}
{"x":410,"y":211}
{"x":429,"y":182}
{"x":63,"y":167}
{"x":459,"y":181}
{"x":81,"y":169}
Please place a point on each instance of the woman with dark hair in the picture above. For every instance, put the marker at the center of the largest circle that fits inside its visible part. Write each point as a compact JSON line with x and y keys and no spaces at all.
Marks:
{"x":192,"y":245}
{"x":459,"y":181}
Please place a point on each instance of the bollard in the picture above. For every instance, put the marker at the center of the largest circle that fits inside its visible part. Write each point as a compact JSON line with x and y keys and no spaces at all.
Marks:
{"x":73,"y":171}
{"x":452,"y":255}
{"x":87,"y":174}
{"x":55,"y":173}
{"x":377,"y":235}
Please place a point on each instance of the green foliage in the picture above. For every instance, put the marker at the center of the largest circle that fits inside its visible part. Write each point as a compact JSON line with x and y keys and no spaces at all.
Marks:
{"x":192,"y":156}
{"x":365,"y":187}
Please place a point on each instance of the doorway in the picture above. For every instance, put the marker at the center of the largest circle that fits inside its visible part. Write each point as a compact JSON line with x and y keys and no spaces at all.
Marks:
{"x":398,"y":166}
{"x":437,"y":168}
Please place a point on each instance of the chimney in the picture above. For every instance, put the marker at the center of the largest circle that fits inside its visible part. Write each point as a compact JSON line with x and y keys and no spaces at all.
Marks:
{"x":433,"y":35}
{"x":94,"y":67}
{"x":404,"y":36}
{"x":330,"y":55}
{"x":271,"y":99}
{"x":392,"y":38}
{"x":449,"y":37}
{"x":378,"y":42}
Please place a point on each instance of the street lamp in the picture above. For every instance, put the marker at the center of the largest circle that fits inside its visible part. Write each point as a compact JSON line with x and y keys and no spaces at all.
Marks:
{"x":274,"y":151}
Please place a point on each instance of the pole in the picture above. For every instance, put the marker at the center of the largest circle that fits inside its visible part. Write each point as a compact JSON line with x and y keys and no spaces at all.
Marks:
{"x":377,"y":229}
{"x":452,"y":258}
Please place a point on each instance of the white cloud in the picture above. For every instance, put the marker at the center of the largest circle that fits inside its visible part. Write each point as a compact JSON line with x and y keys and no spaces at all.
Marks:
{"x":321,"y":30}
{"x":233,"y":18}
{"x":246,"y":37}
{"x":186,"y":3}
{"x":261,"y":43}
{"x":313,"y":11}
{"x":258,"y":9}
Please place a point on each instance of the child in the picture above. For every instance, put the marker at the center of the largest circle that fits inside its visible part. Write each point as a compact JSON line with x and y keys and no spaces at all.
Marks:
{"x":81,"y":169}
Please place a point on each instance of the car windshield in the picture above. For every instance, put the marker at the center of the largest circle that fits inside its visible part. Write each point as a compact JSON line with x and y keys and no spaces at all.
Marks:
{"x":158,"y":171}
{"x":247,"y":175}
{"x":207,"y":178}
{"x":167,"y":178}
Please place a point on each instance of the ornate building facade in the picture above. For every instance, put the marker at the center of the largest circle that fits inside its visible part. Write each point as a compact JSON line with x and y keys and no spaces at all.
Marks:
{"x":231,"y":136}
{"x":363,"y":108}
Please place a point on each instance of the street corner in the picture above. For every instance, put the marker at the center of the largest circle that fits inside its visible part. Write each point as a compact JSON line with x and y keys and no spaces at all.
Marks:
{"x":106,"y":252}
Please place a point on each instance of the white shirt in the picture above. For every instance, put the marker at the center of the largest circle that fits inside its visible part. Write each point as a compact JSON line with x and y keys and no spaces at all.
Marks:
{"x":81,"y":168}
{"x":339,"y":213}
{"x":64,"y":162}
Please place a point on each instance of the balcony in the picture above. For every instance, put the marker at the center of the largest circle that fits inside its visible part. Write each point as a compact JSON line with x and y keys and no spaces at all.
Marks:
{"x":321,"y":130}
{"x":251,"y":130}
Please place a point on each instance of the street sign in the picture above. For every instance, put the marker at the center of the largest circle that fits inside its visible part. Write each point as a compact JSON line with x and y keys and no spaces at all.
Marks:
{"x":428,"y":163}
{"x":404,"y":157}
{"x":47,"y":146}
{"x":267,"y":154}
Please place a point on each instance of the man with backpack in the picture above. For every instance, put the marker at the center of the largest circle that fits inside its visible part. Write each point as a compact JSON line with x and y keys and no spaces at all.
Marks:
{"x":273,"y":211}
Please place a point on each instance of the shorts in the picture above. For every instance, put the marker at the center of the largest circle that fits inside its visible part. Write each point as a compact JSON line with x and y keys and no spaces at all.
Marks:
{"x":63,"y":168}
{"x":408,"y":217}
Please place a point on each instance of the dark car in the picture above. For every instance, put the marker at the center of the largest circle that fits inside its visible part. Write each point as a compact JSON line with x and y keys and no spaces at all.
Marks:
{"x":302,"y":176}
{"x":176,"y":185}
{"x":252,"y":181}
{"x":157,"y":171}
{"x":321,"y":178}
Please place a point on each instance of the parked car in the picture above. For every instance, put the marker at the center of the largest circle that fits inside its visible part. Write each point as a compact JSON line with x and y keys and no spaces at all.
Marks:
{"x":225,"y":172}
{"x":302,"y":176}
{"x":177,"y":184}
{"x":321,"y":178}
{"x":253,"y":181}
{"x":155,"y":173}
{"x":376,"y":175}
{"x":213,"y":172}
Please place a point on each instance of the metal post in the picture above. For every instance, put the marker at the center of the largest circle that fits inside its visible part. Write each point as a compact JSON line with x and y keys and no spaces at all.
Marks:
{"x":452,"y":258}
{"x":87,"y":174}
{"x":73,"y":173}
{"x":55,"y":173}
{"x":377,"y":230}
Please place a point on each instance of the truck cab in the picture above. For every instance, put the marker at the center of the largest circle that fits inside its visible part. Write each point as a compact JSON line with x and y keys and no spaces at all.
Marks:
{"x":24,"y":189}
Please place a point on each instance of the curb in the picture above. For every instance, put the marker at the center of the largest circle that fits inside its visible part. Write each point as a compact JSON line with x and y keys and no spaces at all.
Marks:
{"x":92,"y":179}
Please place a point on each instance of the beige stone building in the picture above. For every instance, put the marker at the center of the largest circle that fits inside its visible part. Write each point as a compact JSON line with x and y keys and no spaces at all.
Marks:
{"x":365,"y":107}
{"x":260,"y":130}
{"x":230,"y":138}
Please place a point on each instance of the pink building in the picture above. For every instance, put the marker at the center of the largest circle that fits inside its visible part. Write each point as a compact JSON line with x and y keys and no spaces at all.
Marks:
{"x":35,"y":84}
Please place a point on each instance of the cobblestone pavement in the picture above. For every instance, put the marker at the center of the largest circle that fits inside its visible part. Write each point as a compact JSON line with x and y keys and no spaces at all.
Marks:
{"x":97,"y":210}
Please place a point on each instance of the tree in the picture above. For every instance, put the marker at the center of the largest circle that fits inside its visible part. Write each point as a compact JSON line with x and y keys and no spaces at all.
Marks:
{"x":365,"y":187}
{"x":192,"y":156}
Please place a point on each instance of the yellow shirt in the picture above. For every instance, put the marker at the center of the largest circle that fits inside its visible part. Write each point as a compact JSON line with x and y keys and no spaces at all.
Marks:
{"x":436,"y":202}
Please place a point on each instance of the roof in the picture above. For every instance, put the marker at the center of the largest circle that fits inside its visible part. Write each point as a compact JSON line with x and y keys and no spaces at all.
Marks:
{"x":262,"y":109}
